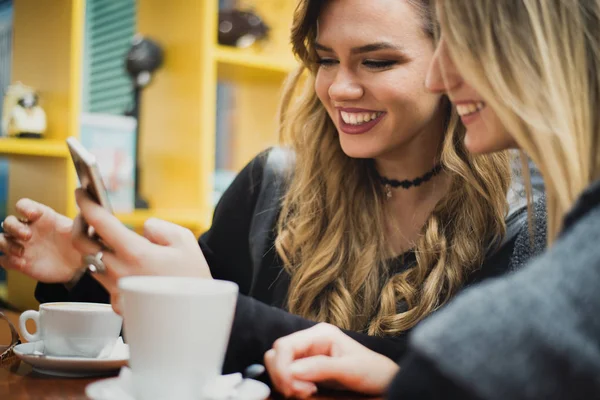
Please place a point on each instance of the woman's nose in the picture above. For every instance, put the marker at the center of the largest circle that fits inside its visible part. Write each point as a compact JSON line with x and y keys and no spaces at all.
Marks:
{"x":442,"y":75}
{"x":345,"y":87}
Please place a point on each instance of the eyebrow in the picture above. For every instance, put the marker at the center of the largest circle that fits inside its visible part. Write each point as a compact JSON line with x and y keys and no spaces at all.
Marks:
{"x":363,"y":49}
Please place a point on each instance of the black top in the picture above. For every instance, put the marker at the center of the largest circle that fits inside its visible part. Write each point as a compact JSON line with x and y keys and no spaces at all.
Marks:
{"x":260,"y":316}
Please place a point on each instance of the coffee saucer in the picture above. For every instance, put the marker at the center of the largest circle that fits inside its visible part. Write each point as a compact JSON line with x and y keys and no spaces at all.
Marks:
{"x":225,"y":387}
{"x":73,"y":367}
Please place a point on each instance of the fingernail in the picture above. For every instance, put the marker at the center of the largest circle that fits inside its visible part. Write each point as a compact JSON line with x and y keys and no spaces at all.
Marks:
{"x":270,"y":354}
{"x":304,"y":387}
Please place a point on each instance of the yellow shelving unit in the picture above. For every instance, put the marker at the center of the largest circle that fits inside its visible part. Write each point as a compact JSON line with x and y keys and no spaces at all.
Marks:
{"x":33,"y":147}
{"x":192,"y":219}
{"x":47,"y":55}
{"x":178,"y":113}
{"x":247,"y":65}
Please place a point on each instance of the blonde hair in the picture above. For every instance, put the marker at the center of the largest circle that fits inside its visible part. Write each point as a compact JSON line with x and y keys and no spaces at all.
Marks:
{"x":537,"y":64}
{"x":331,"y":233}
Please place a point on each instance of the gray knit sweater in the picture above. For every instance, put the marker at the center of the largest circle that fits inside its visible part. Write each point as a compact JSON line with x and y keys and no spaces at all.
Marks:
{"x":533,"y":334}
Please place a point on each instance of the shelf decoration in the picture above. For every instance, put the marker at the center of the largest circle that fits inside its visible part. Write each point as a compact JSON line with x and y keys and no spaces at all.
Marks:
{"x":240,"y":28}
{"x":23,"y":117}
{"x":144,"y":57}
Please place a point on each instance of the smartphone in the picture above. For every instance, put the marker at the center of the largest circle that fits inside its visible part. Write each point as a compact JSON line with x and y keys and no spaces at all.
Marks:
{"x":89,"y":176}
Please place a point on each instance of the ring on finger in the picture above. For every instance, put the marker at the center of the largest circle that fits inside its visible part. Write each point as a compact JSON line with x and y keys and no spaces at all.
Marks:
{"x":23,"y":220}
{"x":94,"y":263}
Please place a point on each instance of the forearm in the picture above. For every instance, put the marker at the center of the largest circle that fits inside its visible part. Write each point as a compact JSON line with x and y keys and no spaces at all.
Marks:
{"x":257,"y":326}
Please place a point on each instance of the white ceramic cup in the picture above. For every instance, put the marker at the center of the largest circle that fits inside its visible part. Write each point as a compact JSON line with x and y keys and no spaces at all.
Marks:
{"x":73,"y":329}
{"x":177,"y":329}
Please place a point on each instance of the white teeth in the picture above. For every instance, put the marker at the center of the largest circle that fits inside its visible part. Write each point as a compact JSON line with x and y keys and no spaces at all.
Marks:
{"x":469,"y":108}
{"x":358,"y":118}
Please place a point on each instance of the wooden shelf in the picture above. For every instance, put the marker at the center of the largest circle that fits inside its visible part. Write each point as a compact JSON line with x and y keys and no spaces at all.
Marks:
{"x":33,"y":147}
{"x":194,"y":220}
{"x":248,"y":64}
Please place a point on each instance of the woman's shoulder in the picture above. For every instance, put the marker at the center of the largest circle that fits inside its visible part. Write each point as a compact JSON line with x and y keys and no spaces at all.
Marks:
{"x":519,"y":244}
{"x":272,"y":164}
{"x":530,"y":231}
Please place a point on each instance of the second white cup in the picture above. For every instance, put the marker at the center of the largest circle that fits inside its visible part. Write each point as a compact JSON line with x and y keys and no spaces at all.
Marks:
{"x":73,"y":329}
{"x":177,"y":329}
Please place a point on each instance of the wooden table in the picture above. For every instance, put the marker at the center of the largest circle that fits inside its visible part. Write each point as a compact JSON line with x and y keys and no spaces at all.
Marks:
{"x":20,"y":382}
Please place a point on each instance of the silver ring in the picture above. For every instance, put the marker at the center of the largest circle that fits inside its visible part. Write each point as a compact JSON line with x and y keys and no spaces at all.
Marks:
{"x":94,"y":263}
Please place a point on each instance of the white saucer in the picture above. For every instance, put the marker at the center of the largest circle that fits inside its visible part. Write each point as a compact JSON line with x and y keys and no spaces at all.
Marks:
{"x":119,"y":388}
{"x":74,"y":367}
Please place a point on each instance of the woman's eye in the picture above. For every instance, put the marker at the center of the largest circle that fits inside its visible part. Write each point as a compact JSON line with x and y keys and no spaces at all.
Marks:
{"x":377,"y":64}
{"x":326,"y":62}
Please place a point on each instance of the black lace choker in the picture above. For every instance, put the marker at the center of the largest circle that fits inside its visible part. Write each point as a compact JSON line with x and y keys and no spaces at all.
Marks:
{"x":407,"y":184}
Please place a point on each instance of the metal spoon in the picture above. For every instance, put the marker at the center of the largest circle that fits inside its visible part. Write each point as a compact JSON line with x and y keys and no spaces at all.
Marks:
{"x":251,"y":372}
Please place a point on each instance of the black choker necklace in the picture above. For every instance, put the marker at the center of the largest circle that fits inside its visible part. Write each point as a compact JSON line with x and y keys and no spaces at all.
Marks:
{"x":407,"y":184}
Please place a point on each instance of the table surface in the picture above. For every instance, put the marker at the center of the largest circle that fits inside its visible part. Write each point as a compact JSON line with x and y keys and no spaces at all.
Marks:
{"x":19,"y":382}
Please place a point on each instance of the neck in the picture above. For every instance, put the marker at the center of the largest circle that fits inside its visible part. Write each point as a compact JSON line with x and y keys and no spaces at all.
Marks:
{"x":409,"y":209}
{"x":413,"y":160}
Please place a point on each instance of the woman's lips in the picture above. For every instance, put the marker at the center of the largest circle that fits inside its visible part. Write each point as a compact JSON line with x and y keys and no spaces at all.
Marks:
{"x":356,"y":115}
{"x":469,"y":111}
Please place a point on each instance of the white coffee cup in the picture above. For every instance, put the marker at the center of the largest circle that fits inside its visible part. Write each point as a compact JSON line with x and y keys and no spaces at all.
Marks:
{"x":71,"y":329}
{"x":177,"y":329}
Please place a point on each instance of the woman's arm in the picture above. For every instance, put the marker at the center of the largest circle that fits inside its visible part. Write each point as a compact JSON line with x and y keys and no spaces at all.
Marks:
{"x":257,"y":326}
{"x":225,"y":244}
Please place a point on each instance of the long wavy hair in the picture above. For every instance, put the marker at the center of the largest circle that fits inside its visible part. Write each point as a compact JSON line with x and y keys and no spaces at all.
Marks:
{"x":331,"y":231}
{"x":537,"y":64}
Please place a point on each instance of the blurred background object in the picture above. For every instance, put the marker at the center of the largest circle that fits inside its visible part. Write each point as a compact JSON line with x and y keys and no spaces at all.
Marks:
{"x":241,"y":28}
{"x":112,"y":140}
{"x":6,"y":38}
{"x":23,"y":117}
{"x":144,"y":57}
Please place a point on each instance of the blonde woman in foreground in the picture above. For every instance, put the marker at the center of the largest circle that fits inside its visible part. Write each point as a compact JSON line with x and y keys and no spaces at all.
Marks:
{"x":524,"y":72}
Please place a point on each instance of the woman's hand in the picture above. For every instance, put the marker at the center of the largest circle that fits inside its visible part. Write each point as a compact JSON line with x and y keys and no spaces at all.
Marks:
{"x":325,"y":355}
{"x":165,"y":249}
{"x":38,"y":243}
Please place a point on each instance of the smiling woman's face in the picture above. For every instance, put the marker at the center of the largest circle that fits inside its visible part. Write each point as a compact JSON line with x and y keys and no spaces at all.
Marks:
{"x":373,"y":57}
{"x":485,"y":132}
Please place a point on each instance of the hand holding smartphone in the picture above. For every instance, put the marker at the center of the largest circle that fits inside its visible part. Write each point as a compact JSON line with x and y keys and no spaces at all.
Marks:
{"x":89,"y":176}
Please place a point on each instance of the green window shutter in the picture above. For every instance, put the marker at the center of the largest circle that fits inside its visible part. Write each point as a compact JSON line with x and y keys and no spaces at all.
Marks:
{"x":110,"y":26}
{"x":5,"y":49}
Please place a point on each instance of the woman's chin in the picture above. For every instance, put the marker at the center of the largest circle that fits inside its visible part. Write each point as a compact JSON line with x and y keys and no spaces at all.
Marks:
{"x":477,"y":143}
{"x":359,"y":153}
{"x":488,"y":142}
{"x":356,"y":149}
